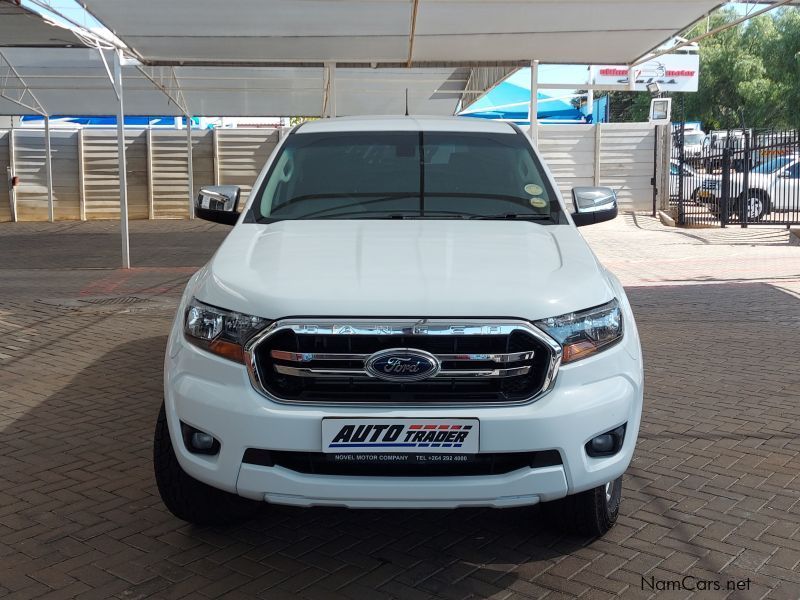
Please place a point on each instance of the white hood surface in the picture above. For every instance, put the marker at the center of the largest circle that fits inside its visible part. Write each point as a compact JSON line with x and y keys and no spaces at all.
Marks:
{"x":404,"y":268}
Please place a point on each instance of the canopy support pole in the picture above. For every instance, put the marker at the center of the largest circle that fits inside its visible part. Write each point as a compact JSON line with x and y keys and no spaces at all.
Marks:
{"x":48,"y":166}
{"x":329,"y":91}
{"x":123,"y":183}
{"x":533,"y":110}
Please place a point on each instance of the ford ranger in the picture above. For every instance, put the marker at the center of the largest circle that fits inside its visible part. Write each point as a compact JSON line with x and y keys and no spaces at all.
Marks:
{"x":404,"y":315}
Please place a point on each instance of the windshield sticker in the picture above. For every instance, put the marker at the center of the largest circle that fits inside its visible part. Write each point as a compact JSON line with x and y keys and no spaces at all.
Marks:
{"x":538,"y":202}
{"x":533,"y":189}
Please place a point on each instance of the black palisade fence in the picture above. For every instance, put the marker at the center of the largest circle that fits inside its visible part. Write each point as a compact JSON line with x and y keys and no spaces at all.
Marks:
{"x":735,"y":177}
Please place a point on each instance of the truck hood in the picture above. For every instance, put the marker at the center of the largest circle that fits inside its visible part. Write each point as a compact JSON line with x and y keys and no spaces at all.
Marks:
{"x":403,"y":268}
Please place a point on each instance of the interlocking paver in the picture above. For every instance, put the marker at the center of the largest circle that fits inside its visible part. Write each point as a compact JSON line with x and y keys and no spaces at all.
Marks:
{"x":713,"y":491}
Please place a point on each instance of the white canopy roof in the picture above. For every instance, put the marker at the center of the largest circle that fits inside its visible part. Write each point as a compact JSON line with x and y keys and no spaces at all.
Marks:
{"x":265,"y":57}
{"x":395,"y":32}
{"x":75,"y":82}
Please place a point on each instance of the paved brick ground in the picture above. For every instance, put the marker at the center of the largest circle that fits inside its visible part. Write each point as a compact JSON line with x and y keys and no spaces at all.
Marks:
{"x":713,"y":492}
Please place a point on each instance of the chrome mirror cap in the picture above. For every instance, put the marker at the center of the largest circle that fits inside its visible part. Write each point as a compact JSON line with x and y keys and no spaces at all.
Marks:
{"x":593,"y":205}
{"x":218,"y":203}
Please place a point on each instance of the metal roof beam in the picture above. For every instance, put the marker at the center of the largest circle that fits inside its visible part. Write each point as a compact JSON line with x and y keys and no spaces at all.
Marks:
{"x":412,"y":33}
{"x":166,"y":80}
{"x":25,"y":92}
{"x":483,"y":79}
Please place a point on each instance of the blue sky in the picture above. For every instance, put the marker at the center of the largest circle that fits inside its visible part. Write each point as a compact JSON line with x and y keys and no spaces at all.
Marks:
{"x":70,"y":8}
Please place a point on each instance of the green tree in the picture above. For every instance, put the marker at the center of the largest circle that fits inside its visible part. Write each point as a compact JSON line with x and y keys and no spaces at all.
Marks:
{"x":748,"y":72}
{"x":628,"y":106}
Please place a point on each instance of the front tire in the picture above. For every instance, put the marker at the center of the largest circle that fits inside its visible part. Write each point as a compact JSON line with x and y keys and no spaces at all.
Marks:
{"x":186,"y":497}
{"x":756,"y":205}
{"x":591,"y":513}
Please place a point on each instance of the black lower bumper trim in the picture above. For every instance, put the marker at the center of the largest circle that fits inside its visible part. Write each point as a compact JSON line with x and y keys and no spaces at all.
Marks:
{"x":402,"y":465}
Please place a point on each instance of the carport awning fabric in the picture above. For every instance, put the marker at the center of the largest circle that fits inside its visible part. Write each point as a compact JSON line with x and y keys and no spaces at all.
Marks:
{"x":22,"y":28}
{"x":446,"y":32}
{"x":74,"y":81}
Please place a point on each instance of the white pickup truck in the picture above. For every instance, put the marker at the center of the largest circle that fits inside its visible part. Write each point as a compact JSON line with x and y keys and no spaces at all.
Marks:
{"x":403,"y":315}
{"x":772,"y":186}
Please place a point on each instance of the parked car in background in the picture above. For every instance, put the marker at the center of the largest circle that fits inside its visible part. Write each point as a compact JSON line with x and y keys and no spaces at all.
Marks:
{"x":716,"y":141}
{"x":774,"y":185}
{"x":693,"y":140}
{"x":692,"y":180}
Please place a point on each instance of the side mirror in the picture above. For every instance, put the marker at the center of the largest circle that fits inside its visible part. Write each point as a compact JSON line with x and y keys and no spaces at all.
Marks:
{"x":218,"y":203}
{"x":593,"y":205}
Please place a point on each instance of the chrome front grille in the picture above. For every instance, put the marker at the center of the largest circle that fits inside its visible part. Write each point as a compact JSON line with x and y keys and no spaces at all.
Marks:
{"x":324,"y":362}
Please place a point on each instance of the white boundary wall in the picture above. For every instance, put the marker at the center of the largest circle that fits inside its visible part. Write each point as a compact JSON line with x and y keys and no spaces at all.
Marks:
{"x":85,"y":169}
{"x":617,"y":155}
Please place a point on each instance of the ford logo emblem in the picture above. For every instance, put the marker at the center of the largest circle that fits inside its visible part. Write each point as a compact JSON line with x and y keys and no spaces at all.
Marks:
{"x":402,"y":364}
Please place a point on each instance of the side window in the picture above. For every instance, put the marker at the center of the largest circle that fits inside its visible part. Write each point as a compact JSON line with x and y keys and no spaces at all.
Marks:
{"x":792,"y":172}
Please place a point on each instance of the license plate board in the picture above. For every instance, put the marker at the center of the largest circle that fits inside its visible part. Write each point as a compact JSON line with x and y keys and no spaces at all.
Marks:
{"x":405,"y":435}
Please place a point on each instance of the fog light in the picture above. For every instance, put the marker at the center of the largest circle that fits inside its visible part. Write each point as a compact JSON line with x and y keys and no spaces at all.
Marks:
{"x":602,"y":443}
{"x":606,"y":444}
{"x":204,"y":441}
{"x":199,"y":442}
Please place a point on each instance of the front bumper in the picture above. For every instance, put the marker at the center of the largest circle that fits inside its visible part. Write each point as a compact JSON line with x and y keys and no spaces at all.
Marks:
{"x":590,"y":397}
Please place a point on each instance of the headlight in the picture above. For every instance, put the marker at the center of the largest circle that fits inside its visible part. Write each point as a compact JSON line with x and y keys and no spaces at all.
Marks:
{"x":222,"y":332}
{"x":586,"y":332}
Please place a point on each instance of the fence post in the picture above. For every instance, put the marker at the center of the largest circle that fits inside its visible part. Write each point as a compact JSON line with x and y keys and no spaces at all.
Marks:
{"x":598,"y":142}
{"x":48,"y":168}
{"x":666,"y":155}
{"x":745,"y":180}
{"x":215,"y":145}
{"x":151,"y":209}
{"x":12,"y":190}
{"x":81,"y":177}
{"x":725,"y":201}
{"x":190,"y":166}
{"x":681,"y":163}
{"x":654,"y":180}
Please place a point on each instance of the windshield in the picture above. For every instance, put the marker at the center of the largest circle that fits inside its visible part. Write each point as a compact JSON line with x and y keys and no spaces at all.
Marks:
{"x":694,"y":138}
{"x":772,"y":165}
{"x":406,"y":175}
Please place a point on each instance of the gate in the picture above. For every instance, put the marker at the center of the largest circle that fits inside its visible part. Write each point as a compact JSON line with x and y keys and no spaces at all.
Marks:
{"x":739,"y":177}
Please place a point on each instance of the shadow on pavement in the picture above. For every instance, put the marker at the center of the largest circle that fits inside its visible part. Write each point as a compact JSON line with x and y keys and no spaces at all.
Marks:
{"x":85,"y":249}
{"x":82,"y":458}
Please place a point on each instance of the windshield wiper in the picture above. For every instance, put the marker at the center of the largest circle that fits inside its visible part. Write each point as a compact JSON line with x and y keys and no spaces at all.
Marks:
{"x":520,"y":216}
{"x":360,"y":214}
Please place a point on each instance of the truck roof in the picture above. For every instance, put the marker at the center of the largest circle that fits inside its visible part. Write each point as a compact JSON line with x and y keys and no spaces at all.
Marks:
{"x":402,"y":123}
